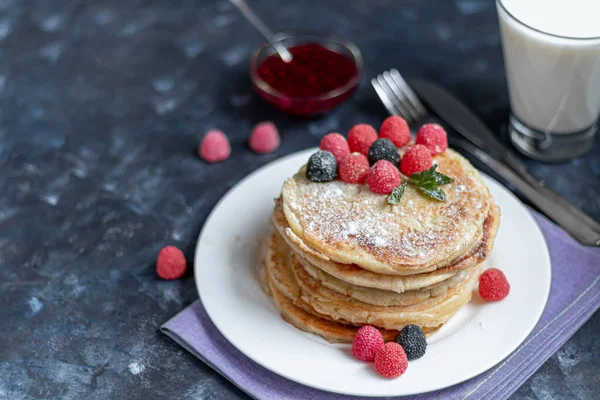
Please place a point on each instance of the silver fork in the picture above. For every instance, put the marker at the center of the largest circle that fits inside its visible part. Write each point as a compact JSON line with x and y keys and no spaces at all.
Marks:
{"x":399,"y":99}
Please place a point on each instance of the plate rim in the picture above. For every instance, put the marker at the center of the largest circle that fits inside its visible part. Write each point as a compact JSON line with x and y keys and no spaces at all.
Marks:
{"x":283,"y":159}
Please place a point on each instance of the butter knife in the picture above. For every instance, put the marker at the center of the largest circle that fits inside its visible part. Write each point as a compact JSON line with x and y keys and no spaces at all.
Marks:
{"x":464,"y":121}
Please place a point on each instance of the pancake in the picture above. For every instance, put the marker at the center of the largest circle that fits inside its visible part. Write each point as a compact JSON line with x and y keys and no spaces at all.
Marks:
{"x":432,"y":312}
{"x":353,"y":274}
{"x":349,"y":224}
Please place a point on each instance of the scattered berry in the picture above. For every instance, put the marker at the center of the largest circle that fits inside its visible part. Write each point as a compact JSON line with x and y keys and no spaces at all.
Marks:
{"x":383,"y":178}
{"x":354,"y":168}
{"x":390,"y":360}
{"x":395,"y":129}
{"x":264,"y":138}
{"x":322,"y":167}
{"x":214,"y":147}
{"x":361,"y":137}
{"x":433,"y":137}
{"x":417,"y":159}
{"x":336,"y":144}
{"x":412,"y":339}
{"x":367,"y":341}
{"x":493,"y":285}
{"x":383,"y":149}
{"x":170,"y":263}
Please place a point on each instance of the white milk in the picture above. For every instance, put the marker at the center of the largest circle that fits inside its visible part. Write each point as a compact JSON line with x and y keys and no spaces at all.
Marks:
{"x":552,"y":62}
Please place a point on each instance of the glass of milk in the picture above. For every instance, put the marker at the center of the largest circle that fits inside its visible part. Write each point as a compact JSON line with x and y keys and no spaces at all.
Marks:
{"x":552,"y":58}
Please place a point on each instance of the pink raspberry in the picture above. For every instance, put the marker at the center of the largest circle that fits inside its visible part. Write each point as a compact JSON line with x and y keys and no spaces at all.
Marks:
{"x":214,"y":147}
{"x":417,"y":159}
{"x":383,"y":178}
{"x":361,"y":137}
{"x":493,"y":285}
{"x":395,"y":129}
{"x":264,"y":138}
{"x":366,"y":343}
{"x":336,"y":144}
{"x":170,"y":263}
{"x":390,"y":360}
{"x":354,"y":168}
{"x":433,"y":136}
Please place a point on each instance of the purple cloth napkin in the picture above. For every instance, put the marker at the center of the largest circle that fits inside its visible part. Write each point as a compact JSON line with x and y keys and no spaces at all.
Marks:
{"x":574,"y":296}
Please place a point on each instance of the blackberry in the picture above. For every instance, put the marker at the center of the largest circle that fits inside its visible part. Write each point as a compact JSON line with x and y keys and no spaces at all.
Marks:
{"x":383,"y":149}
{"x":412,"y":340}
{"x":322,"y":167}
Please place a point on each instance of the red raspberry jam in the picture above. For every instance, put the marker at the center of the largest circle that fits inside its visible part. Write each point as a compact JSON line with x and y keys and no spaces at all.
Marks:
{"x":302,"y":84}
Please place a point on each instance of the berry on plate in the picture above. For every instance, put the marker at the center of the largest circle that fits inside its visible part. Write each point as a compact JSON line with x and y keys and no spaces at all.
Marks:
{"x":383,"y":178}
{"x":390,"y":360}
{"x":367,"y":342}
{"x":214,"y":147}
{"x":433,"y":136}
{"x":361,"y":137}
{"x":336,"y":144}
{"x":170,"y":263}
{"x":354,"y":168}
{"x":321,"y":167}
{"x":395,"y":129}
{"x":264,"y":138}
{"x":417,"y":159}
{"x":383,"y":149}
{"x":412,"y":339}
{"x":493,"y":285}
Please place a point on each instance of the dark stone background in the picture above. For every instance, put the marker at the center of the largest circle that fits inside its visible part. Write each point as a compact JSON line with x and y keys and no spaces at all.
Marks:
{"x":102,"y":104}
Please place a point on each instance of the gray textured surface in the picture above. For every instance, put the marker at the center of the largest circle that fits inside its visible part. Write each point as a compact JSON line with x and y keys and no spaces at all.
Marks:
{"x":102,"y":104}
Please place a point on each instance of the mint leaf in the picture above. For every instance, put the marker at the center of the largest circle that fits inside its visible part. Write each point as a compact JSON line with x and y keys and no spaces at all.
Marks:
{"x":396,"y":194}
{"x":435,"y":193}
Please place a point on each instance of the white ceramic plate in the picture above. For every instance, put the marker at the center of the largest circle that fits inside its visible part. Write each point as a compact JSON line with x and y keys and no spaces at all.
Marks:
{"x":478,"y":337}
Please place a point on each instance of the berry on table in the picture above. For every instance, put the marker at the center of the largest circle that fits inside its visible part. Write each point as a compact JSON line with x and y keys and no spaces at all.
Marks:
{"x":412,"y":339}
{"x":390,"y":360}
{"x":395,"y":129}
{"x":493,"y":285}
{"x":321,"y":167}
{"x":170,"y":263}
{"x":336,"y":144}
{"x":383,"y":178}
{"x":264,"y":138}
{"x":354,"y":168}
{"x":383,"y":149}
{"x":214,"y":147}
{"x":367,"y":341}
{"x":361,"y":137}
{"x":434,"y":137}
{"x":417,"y":159}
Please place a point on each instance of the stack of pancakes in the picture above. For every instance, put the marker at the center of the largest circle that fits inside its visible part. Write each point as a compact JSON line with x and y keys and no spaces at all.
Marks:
{"x":341,"y":257}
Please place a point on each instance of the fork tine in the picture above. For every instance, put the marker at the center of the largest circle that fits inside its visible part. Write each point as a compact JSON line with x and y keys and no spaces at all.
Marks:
{"x":410,"y":94}
{"x":393,"y":96}
{"x":384,"y":98}
{"x":400,"y":96}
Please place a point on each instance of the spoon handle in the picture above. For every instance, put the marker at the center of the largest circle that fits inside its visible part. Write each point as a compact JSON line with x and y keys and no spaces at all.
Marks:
{"x":260,"y":26}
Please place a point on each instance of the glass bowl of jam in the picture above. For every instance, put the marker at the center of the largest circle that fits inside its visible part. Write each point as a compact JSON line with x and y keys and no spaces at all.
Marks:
{"x":323,"y":73}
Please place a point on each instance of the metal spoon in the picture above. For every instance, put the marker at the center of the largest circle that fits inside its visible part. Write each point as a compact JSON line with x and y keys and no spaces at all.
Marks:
{"x":260,"y":26}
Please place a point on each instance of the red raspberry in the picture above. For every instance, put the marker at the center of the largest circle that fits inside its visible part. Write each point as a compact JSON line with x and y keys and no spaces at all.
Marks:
{"x":433,"y":137}
{"x":390,"y":360}
{"x":354,"y":168}
{"x":366,"y":343}
{"x":417,"y":159}
{"x":264,"y":138}
{"x":214,"y":147}
{"x":361,"y":137}
{"x":336,"y":144}
{"x":493,"y":285}
{"x":395,"y":129}
{"x":170,"y":263}
{"x":384,"y":177}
